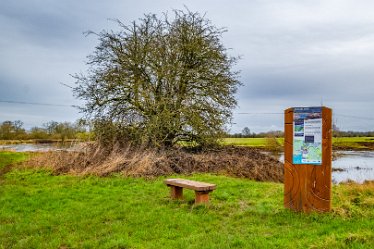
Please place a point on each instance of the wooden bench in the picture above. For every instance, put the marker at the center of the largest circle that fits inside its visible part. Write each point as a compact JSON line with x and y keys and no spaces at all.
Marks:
{"x":202,"y":189}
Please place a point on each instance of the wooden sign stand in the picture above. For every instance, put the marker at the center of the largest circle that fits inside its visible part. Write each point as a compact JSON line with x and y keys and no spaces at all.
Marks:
{"x":307,"y":187}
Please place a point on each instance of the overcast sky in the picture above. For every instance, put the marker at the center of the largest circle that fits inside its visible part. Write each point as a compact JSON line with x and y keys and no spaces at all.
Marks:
{"x":294,"y":53}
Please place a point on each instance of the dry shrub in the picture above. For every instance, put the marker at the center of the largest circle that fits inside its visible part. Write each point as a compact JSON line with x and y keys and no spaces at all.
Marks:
{"x":129,"y":161}
{"x":272,"y":144}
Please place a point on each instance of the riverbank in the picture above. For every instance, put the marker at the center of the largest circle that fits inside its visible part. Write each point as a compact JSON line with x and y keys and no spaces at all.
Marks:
{"x":42,"y":210}
{"x":347,"y":165}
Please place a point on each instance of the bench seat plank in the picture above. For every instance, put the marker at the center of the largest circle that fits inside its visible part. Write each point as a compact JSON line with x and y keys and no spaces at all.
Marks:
{"x":194,"y":185}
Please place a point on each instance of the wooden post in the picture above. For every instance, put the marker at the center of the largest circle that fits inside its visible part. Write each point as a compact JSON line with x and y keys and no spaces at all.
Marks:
{"x":307,"y":187}
{"x":201,"y":197}
{"x":176,"y":192}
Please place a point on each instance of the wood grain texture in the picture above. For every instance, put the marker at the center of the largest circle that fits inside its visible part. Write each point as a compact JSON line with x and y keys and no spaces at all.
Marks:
{"x":201,"y":197}
{"x":194,"y":185}
{"x":202,"y":189}
{"x":176,"y":193}
{"x":307,"y":187}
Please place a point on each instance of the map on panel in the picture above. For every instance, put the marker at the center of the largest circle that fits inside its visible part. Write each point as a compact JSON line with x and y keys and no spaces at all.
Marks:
{"x":307,"y":135}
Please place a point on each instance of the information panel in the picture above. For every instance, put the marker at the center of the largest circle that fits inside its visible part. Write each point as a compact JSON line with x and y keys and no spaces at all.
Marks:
{"x":307,"y":135}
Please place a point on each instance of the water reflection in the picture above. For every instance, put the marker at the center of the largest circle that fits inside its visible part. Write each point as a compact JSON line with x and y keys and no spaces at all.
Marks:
{"x":39,"y":147}
{"x":356,"y":166}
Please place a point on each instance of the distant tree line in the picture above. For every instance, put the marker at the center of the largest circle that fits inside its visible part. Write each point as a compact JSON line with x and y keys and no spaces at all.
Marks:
{"x":13,"y":130}
{"x":246,"y":133}
{"x":338,"y":133}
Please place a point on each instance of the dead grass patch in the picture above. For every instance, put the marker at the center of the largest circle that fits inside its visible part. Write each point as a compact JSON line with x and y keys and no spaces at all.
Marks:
{"x":95,"y":160}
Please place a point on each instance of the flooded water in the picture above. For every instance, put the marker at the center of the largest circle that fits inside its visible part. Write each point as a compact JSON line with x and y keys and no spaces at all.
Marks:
{"x":357,"y":166}
{"x":38,"y":147}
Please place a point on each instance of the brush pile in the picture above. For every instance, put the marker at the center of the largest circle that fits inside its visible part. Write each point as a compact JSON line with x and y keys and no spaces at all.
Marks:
{"x":96,"y":160}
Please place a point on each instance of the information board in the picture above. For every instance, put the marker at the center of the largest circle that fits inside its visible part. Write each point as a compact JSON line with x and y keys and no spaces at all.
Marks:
{"x":307,"y":159}
{"x":307,"y":135}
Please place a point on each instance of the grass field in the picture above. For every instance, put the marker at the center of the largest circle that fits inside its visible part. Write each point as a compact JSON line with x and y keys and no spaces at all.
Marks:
{"x":251,"y":142}
{"x":39,"y":210}
{"x":350,"y":143}
{"x":354,"y":143}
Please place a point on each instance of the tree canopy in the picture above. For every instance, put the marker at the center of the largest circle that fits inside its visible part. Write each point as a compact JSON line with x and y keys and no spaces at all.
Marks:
{"x":159,"y":81}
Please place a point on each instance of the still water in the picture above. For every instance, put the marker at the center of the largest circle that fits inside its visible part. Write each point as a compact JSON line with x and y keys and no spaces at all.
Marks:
{"x":357,"y":166}
{"x":39,"y":147}
{"x":354,"y":165}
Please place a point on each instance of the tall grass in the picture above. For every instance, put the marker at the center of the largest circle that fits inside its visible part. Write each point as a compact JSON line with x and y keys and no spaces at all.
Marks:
{"x":130,"y":161}
{"x":273,"y":144}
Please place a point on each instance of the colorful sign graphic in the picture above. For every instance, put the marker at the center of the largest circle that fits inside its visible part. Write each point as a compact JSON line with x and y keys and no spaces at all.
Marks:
{"x":307,"y":135}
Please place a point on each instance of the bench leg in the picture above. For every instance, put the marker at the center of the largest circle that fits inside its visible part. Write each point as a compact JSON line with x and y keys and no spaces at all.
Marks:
{"x":176,"y":192}
{"x":201,"y":197}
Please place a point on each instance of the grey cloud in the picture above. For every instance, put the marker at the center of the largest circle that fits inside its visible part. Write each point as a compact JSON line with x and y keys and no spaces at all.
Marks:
{"x":37,"y":25}
{"x":294,"y":53}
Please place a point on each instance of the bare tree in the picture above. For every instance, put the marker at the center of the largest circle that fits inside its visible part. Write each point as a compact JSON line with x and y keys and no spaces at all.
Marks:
{"x":246,"y":132}
{"x":160,"y":81}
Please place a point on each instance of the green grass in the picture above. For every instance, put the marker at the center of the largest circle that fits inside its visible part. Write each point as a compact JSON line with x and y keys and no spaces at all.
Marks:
{"x":7,"y":158}
{"x":39,"y":210}
{"x":354,"y":142}
{"x":360,"y":143}
{"x":250,"y":142}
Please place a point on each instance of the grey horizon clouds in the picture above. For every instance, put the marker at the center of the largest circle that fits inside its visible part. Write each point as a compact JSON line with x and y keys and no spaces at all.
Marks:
{"x":294,"y":53}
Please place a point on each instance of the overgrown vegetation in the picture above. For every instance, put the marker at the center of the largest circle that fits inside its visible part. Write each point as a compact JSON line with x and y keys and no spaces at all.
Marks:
{"x":147,"y":162}
{"x":272,"y":144}
{"x":40,"y":210}
{"x":159,"y":81}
